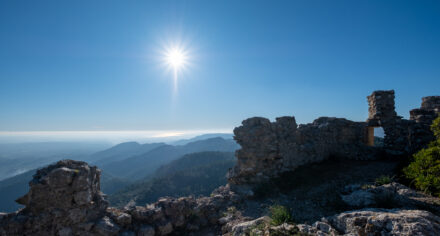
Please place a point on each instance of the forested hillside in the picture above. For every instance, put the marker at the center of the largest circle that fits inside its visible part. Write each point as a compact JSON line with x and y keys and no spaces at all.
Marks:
{"x":193,"y":174}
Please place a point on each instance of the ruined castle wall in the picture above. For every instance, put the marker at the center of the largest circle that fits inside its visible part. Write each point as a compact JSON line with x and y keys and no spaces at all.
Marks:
{"x":381,"y":112}
{"x":420,"y":131}
{"x":381,"y":107}
{"x":270,"y":148}
{"x":402,"y":136}
{"x":431,"y":103}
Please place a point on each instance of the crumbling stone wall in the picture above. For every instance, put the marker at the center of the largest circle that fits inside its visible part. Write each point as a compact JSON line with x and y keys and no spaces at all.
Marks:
{"x":402,"y":136}
{"x":381,"y":112}
{"x":65,"y":199}
{"x":270,"y":148}
{"x":381,"y":107}
{"x":420,"y":132}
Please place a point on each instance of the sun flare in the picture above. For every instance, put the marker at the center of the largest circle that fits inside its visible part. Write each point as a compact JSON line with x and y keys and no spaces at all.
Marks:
{"x":176,"y":58}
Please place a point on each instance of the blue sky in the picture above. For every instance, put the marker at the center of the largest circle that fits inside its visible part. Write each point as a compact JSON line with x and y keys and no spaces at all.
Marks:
{"x":97,"y":65}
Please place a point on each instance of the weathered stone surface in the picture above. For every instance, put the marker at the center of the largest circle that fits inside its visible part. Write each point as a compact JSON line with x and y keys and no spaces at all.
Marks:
{"x":268,"y":149}
{"x":120,"y":217}
{"x":360,"y":222}
{"x":87,"y":212}
{"x":402,"y":136}
{"x":394,"y":194}
{"x":245,"y":228}
{"x":62,"y":198}
{"x":387,"y":222}
{"x":381,"y":112}
{"x":381,"y":107}
{"x":431,"y":103}
{"x":66,"y":184}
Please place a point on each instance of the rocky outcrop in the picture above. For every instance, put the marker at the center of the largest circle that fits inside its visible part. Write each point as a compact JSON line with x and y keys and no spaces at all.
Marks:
{"x":386,"y":222}
{"x":65,"y":199}
{"x":360,"y":222}
{"x":391,"y":195}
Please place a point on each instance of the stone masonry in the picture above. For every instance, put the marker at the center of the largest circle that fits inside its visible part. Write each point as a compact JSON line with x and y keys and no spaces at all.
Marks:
{"x":402,"y":136}
{"x":381,"y":113}
{"x":271,"y":148}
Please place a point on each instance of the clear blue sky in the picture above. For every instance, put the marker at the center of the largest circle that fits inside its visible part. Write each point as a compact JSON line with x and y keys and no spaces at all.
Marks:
{"x":95,"y":65}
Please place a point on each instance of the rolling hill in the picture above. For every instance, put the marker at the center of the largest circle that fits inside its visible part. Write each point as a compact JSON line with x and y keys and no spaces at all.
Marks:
{"x":193,"y":174}
{"x":141,"y":166}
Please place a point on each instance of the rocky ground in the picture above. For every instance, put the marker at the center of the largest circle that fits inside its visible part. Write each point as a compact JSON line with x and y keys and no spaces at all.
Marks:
{"x":314,"y":191}
{"x":331,"y":198}
{"x":410,"y":213}
{"x":337,"y":198}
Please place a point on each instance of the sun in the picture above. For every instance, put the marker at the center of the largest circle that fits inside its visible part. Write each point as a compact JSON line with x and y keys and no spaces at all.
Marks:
{"x":176,"y":58}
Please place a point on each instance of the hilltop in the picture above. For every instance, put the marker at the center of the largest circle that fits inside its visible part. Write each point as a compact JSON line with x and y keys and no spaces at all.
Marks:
{"x":322,"y":178}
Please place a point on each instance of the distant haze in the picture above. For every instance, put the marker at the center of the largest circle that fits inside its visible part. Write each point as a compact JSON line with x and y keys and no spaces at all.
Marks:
{"x":113,"y":137}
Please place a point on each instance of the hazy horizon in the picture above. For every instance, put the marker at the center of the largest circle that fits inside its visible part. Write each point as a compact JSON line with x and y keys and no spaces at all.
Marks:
{"x":111,"y":137}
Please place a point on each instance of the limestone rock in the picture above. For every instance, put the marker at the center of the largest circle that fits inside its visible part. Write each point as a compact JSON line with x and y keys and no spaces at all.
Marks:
{"x":245,"y":227}
{"x":387,"y":222}
{"x":66,"y":184}
{"x":392,"y":195}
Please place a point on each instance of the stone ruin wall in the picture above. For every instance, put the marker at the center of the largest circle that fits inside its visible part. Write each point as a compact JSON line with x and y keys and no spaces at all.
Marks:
{"x":381,"y":113}
{"x":402,"y":136}
{"x":270,"y":148}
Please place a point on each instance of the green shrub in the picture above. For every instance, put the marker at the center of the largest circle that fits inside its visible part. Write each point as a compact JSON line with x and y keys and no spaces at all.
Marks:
{"x":383,"y":179}
{"x":257,"y":229}
{"x":424,"y":170}
{"x":435,"y":127}
{"x":280,"y":214}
